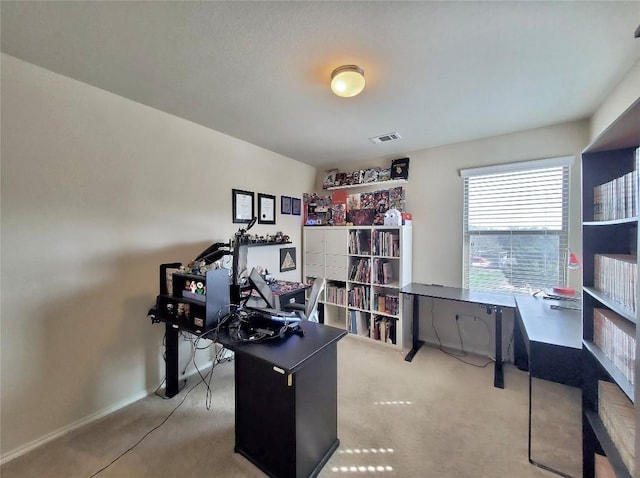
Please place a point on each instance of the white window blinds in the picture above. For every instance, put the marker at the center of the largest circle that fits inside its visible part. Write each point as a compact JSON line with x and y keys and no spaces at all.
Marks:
{"x":516,"y":226}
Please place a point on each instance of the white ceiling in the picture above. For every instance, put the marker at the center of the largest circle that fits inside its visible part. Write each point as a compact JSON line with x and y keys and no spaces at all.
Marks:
{"x":437,"y":72}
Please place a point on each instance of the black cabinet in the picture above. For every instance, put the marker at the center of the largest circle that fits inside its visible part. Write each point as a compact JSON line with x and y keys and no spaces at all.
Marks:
{"x":610,"y":296}
{"x":286,"y":400}
{"x":194,"y":302}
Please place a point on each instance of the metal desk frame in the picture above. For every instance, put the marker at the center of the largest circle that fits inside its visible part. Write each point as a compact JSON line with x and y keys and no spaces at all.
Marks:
{"x":491,"y":301}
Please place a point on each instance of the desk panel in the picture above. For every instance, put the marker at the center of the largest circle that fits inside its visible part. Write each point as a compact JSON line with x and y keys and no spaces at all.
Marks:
{"x":552,"y":339}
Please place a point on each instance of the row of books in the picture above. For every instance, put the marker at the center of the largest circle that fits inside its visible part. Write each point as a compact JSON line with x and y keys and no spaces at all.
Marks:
{"x":360,"y":270}
{"x":383,"y":271}
{"x":386,"y":243}
{"x":383,"y":329}
{"x":618,"y":198}
{"x":616,"y":275}
{"x":376,"y":328}
{"x":359,"y":297}
{"x":358,"y":323}
{"x":335,"y":294}
{"x":615,"y":336}
{"x":359,"y":242}
{"x":617,"y":414}
{"x":389,"y":304}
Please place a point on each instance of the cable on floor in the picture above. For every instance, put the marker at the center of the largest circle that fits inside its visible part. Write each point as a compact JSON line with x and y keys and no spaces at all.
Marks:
{"x":457,"y":356}
{"x":146,"y":434}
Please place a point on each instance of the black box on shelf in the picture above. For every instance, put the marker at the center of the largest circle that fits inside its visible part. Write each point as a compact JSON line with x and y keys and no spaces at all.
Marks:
{"x":400,"y":168}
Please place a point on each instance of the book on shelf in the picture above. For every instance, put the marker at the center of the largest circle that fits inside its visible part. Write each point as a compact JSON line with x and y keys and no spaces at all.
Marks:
{"x":359,"y":242}
{"x":386,"y":243}
{"x":616,"y":337}
{"x":617,"y":199}
{"x":389,"y":304}
{"x":336,"y":294}
{"x":359,"y":323}
{"x":360,"y":271}
{"x":617,"y":414}
{"x":359,"y":297}
{"x":383,"y":329}
{"x":615,"y":275}
{"x":383,"y":271}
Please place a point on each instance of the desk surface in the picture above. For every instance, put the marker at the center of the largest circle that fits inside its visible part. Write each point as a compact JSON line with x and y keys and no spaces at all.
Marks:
{"x":542,"y":324}
{"x":501,"y":299}
{"x":290,"y":352}
{"x":278,"y":288}
{"x":281,"y":287}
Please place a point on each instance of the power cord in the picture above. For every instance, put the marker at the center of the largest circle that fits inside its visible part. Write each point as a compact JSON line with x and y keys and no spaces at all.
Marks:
{"x":457,"y":356}
{"x":146,"y":434}
{"x":206,"y":379}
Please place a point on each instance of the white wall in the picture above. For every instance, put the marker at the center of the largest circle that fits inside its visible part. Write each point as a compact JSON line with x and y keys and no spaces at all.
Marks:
{"x":617,"y":101}
{"x":97,"y":191}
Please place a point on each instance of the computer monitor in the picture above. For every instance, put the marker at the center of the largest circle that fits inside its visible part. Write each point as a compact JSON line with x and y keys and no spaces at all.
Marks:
{"x":263,"y":289}
{"x":217,"y":301}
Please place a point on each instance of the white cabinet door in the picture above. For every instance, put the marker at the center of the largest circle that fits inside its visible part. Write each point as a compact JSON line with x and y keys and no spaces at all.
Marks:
{"x":314,"y":264}
{"x":335,"y":267}
{"x":314,"y":240}
{"x":335,"y":241}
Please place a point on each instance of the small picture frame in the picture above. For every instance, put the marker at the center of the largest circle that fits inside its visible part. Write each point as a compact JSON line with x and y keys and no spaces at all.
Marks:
{"x":266,"y":209}
{"x":287,"y":259}
{"x":296,"y":206}
{"x":285,"y":204}
{"x":242,"y":204}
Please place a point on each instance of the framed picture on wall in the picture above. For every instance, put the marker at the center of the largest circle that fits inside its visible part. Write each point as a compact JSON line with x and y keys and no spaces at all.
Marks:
{"x":287,"y":259}
{"x":285,"y":205}
{"x":242,"y":204}
{"x":266,"y":209}
{"x":296,"y":206}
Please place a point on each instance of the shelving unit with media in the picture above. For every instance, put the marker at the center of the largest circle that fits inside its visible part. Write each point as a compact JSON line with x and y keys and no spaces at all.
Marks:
{"x":611,"y":294}
{"x":364,"y":268}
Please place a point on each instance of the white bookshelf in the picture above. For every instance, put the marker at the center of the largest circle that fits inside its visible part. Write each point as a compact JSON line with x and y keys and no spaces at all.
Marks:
{"x":365,"y":267}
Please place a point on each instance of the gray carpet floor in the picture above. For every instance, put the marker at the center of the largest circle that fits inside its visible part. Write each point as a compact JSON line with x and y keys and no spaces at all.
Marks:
{"x":433,"y":417}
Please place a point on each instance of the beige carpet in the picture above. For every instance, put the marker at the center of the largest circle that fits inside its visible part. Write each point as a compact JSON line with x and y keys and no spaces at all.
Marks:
{"x":433,"y":417}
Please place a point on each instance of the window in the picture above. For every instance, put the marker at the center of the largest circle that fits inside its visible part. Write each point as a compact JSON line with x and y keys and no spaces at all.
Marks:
{"x":516,"y":225}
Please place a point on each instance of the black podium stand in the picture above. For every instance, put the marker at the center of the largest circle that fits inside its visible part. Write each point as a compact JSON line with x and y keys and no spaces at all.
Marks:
{"x":286,"y":400}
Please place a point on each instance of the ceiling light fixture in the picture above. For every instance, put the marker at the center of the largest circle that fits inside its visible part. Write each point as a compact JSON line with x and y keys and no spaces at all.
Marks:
{"x":347,"y":80}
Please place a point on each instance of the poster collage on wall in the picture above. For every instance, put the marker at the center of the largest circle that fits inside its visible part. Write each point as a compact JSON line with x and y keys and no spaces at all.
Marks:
{"x":360,"y":209}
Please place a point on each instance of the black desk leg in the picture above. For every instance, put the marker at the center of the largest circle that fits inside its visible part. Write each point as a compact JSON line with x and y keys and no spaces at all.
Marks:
{"x":498,"y":376}
{"x":171,"y":360}
{"x":417,"y":343}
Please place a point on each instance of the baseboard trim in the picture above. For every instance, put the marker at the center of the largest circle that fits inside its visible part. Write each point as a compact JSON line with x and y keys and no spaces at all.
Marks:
{"x":21,"y":450}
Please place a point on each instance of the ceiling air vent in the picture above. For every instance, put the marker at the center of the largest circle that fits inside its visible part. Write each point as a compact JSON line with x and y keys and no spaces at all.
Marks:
{"x":384,"y":138}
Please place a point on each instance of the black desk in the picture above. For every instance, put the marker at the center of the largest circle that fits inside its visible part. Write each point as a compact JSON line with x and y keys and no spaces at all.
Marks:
{"x":284,"y":292}
{"x":492,"y":301}
{"x":286,"y":400}
{"x":553,"y":342}
{"x":285,"y":396}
